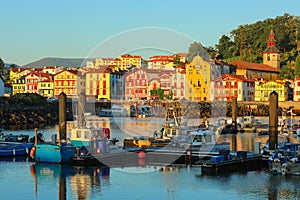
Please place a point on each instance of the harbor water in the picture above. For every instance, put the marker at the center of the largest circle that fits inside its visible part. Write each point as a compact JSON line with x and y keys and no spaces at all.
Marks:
{"x":20,"y":178}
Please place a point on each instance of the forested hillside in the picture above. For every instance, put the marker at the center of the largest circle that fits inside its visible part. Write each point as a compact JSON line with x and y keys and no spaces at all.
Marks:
{"x":248,"y":42}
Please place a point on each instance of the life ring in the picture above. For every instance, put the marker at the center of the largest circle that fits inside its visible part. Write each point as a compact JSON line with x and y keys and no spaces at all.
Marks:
{"x":32,"y":152}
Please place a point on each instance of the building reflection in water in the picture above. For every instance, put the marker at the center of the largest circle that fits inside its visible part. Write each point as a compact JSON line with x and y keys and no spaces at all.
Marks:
{"x":82,"y":179}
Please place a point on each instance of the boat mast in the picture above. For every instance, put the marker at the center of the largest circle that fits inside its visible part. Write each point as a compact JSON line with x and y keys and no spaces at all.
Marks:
{"x":81,"y":109}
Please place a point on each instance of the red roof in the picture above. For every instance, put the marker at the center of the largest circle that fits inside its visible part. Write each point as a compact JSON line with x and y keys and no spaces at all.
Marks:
{"x":240,"y":78}
{"x":253,"y":66}
{"x":130,"y":56}
{"x":16,"y":69}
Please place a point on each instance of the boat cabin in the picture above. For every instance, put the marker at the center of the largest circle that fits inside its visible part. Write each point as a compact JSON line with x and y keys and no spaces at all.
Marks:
{"x":197,"y":138}
{"x":84,"y":136}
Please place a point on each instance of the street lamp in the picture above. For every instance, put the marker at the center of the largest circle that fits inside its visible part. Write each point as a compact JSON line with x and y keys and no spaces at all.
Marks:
{"x":292,"y":114}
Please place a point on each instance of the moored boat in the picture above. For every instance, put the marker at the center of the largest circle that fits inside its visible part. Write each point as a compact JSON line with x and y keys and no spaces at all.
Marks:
{"x":60,"y":150}
{"x":114,"y":111}
{"x":206,"y":140}
{"x":14,"y":145}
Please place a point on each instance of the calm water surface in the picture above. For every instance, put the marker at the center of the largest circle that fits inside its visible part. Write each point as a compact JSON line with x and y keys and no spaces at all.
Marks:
{"x":23,"y":179}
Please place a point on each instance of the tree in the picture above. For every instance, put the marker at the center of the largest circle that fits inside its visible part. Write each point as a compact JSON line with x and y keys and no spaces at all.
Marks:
{"x":1,"y":65}
{"x":176,"y":60}
{"x":287,"y":72}
{"x":225,"y":47}
{"x":248,"y":41}
{"x":196,"y":49}
{"x":158,"y":92}
{"x":297,"y":67}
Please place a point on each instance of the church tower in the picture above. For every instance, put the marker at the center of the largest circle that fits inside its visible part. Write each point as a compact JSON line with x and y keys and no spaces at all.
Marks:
{"x":271,"y":53}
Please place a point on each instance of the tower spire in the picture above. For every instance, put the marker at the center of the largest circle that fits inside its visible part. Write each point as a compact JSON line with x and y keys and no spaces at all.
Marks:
{"x":272,"y":54}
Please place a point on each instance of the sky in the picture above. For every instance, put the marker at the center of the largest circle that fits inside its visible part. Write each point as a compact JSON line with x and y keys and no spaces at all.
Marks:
{"x":34,"y":29}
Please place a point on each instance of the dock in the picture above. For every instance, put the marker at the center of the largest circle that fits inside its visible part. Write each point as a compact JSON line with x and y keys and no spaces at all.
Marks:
{"x":211,"y":162}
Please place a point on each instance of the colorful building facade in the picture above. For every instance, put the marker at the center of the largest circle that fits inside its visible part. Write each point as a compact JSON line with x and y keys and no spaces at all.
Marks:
{"x":263,"y":90}
{"x":230,"y":86}
{"x":66,"y":81}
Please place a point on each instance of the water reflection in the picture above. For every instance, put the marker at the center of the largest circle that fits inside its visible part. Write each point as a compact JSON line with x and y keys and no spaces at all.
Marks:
{"x":81,"y":179}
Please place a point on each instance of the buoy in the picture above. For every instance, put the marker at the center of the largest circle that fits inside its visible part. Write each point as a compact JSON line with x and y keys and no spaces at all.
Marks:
{"x":141,"y":154}
{"x":27,"y":150}
{"x":14,"y":152}
{"x":32,"y":152}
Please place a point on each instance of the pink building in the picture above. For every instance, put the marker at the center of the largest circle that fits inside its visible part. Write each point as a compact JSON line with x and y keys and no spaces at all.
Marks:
{"x":231,"y":86}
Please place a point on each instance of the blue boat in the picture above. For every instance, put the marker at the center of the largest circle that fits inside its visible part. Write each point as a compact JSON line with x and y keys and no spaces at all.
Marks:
{"x":12,"y":149}
{"x":51,"y":153}
{"x":14,"y":145}
{"x":58,"y":151}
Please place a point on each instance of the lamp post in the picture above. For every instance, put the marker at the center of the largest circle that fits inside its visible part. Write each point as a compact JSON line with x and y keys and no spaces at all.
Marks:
{"x":292,"y":114}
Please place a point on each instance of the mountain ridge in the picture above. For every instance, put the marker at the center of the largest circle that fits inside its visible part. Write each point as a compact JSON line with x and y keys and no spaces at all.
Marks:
{"x":55,"y":61}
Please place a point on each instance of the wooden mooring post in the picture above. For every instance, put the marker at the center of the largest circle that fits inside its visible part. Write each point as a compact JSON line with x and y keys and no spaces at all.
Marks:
{"x":273,"y":121}
{"x":234,"y":121}
{"x":62,"y":101}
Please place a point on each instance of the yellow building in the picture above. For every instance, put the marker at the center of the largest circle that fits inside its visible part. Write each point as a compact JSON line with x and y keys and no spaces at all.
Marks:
{"x":116,"y":62}
{"x":129,"y":61}
{"x":16,"y":73}
{"x":198,"y":79}
{"x":97,"y":83}
{"x":46,"y":86}
{"x":263,"y":90}
{"x":19,"y":85}
{"x":66,"y":81}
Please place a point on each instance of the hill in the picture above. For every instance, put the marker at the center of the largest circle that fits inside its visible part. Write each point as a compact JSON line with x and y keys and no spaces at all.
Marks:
{"x":49,"y":61}
{"x":248,"y":41}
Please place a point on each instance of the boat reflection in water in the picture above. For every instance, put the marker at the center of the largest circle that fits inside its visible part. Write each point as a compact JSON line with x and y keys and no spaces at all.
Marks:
{"x":81,"y":180}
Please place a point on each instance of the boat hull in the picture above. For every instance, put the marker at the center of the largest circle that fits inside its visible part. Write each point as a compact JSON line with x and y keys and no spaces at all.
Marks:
{"x":12,"y":149}
{"x":49,"y":153}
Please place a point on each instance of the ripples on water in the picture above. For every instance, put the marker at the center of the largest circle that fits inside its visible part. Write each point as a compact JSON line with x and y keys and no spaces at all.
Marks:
{"x":24,"y":180}
{"x":19,"y":181}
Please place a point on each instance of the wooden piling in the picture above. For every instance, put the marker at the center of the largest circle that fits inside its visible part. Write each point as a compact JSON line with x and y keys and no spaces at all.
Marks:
{"x":81,"y":110}
{"x":62,"y":101}
{"x":234,"y":121}
{"x":273,"y":120}
{"x":234,"y":111}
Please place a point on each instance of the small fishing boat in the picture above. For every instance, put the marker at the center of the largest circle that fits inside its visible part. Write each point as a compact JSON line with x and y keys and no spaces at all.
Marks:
{"x":60,"y":151}
{"x":14,"y":145}
{"x":282,"y":163}
{"x":144,"y":143}
{"x":206,"y":140}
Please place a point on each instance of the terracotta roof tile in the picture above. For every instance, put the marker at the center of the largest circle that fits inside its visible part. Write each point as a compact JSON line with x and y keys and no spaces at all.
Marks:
{"x":253,"y":66}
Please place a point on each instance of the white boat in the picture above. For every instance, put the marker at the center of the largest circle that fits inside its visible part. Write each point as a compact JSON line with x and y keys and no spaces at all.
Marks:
{"x":114,"y":111}
{"x":206,"y":140}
